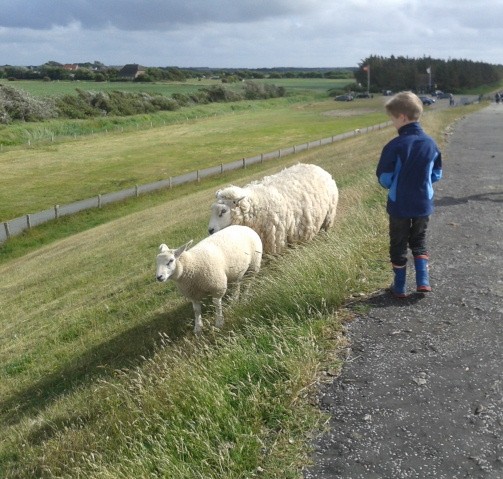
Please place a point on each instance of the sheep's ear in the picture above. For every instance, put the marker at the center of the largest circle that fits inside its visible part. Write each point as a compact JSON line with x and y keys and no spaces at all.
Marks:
{"x":236,"y":202}
{"x":217,"y":194}
{"x":183,"y":248}
{"x":163,"y":248}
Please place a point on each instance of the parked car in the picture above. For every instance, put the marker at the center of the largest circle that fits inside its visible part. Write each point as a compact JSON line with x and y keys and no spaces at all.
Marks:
{"x":443,"y":95}
{"x":346,"y":97}
{"x":427,"y":100}
{"x":364,"y":95}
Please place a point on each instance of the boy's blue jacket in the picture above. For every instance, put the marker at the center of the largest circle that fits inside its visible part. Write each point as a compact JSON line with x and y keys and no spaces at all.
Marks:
{"x":409,"y":164}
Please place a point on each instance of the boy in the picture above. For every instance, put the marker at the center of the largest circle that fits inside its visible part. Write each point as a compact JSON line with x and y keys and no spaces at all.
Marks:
{"x":408,"y":166}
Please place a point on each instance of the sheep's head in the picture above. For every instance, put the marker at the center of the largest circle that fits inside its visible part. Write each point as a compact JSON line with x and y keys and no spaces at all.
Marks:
{"x":166,"y":261}
{"x":220,"y":217}
{"x":227,"y":210}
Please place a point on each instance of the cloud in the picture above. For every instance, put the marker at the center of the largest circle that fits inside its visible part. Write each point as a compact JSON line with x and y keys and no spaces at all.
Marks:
{"x":143,"y":15}
{"x":247,"y":33}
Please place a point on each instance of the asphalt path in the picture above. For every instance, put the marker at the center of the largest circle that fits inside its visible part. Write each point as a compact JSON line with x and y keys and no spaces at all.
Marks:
{"x":421,"y":393}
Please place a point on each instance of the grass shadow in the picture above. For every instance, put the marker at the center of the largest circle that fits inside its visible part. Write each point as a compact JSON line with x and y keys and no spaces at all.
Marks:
{"x":125,"y":350}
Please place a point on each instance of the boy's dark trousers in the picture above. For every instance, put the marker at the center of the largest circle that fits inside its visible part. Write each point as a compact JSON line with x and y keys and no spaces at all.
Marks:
{"x":407,"y":233}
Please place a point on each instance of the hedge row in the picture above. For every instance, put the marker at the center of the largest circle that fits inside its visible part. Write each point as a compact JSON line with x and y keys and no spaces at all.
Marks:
{"x":18,"y":105}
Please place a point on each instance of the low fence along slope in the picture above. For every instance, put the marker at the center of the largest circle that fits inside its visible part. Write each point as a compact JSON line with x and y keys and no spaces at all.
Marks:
{"x":16,"y":226}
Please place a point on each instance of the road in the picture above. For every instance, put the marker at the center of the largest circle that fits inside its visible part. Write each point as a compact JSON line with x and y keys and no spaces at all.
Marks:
{"x":421,"y":395}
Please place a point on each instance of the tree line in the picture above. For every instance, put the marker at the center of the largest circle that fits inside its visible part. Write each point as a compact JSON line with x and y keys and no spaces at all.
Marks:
{"x":425,"y":75}
{"x":97,"y":71}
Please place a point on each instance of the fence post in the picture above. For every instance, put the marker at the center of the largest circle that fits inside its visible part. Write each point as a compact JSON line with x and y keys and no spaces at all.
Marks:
{"x":261,"y":158}
{"x":7,"y":230}
{"x":244,"y":163}
{"x":221,"y":168}
{"x":28,"y":221}
{"x":136,"y":191}
{"x":197,"y":176}
{"x":170,"y":184}
{"x":99,"y":201}
{"x":56,"y":211}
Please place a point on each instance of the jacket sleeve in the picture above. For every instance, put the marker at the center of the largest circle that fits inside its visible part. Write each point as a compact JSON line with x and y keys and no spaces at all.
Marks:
{"x":385,"y":171}
{"x":436,"y":172}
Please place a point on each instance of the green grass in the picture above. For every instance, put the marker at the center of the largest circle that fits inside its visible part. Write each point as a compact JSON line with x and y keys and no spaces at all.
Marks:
{"x":101,"y":377}
{"x":37,"y":178}
{"x":58,"y":88}
{"x":81,"y":357}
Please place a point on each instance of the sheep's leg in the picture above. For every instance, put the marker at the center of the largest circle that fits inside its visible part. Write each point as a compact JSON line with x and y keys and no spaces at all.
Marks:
{"x":198,"y":322}
{"x":236,"y":290}
{"x":219,"y":317}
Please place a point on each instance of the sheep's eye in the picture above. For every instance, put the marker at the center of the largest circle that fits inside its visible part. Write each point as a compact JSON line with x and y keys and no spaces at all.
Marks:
{"x":222,"y":212}
{"x":170,"y":262}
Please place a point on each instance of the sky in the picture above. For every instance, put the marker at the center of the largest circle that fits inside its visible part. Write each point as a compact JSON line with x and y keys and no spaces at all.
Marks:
{"x":247,"y":33}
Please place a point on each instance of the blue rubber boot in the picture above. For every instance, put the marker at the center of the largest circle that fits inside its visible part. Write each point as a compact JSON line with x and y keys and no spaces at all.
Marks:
{"x":398,"y":286}
{"x":422,"y":276}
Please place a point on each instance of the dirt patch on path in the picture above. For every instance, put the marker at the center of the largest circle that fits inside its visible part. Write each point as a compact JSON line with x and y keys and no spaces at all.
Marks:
{"x":421,"y":394}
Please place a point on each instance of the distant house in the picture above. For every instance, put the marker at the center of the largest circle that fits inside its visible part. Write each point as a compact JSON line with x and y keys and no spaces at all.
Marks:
{"x":131,"y":71}
{"x":71,"y":67}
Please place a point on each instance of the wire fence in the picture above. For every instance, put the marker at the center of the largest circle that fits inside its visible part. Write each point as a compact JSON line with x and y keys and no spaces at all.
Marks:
{"x":18,"y":225}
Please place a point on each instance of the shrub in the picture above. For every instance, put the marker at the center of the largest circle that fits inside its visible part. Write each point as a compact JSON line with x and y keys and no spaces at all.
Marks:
{"x":222,"y":94}
{"x":76,"y":106}
{"x":19,"y":105}
{"x":117,"y":103}
{"x":258,"y":91}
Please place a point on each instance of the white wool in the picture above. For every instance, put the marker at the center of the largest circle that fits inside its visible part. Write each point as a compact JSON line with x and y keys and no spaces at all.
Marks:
{"x":210,"y":266}
{"x":289,"y":207}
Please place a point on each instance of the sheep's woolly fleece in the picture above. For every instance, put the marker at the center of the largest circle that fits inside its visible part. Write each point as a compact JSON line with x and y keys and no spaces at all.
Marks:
{"x":211,"y":265}
{"x":289,"y":207}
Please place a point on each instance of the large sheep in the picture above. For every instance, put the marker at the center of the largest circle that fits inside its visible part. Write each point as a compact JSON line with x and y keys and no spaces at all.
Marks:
{"x":289,"y":207}
{"x":210,"y":266}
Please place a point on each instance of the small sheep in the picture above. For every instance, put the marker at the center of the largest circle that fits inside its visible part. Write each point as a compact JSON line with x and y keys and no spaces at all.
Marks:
{"x":210,"y":266}
{"x":289,"y":207}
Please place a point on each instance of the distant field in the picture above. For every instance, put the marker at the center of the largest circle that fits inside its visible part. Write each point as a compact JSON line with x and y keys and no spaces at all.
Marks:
{"x":36,"y":178}
{"x":55,"y":88}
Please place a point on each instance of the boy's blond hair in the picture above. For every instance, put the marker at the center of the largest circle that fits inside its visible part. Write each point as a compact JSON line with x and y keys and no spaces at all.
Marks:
{"x":406,"y":103}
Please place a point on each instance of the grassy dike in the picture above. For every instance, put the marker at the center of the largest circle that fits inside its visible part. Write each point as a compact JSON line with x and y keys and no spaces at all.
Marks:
{"x":36,"y":178}
{"x":100,"y":374}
